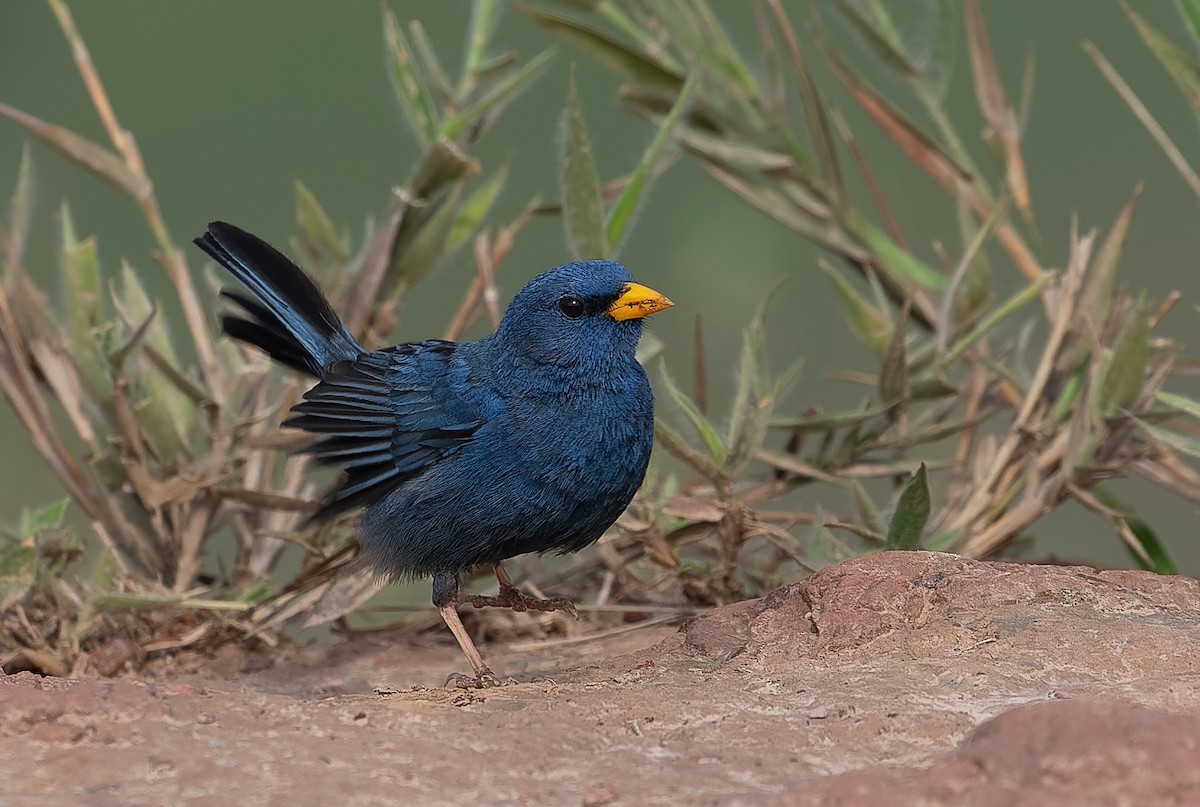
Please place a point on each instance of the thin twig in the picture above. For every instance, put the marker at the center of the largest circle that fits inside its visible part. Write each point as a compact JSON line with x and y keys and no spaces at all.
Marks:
{"x":1143,"y":114}
{"x":547,"y":644}
{"x":982,"y":497}
{"x":170,"y":257}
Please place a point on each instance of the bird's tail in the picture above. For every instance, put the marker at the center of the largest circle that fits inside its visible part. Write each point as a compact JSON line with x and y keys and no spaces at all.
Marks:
{"x":291,"y":320}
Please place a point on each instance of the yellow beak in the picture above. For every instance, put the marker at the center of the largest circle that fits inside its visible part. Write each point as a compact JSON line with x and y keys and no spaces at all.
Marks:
{"x":637,"y":301}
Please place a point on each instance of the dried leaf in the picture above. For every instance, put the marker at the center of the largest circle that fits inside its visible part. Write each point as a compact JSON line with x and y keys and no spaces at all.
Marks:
{"x":97,"y":159}
{"x":915,"y":145}
{"x":1147,"y":120}
{"x":815,"y":113}
{"x":820,"y":229}
{"x":994,"y":105}
{"x":20,"y":213}
{"x":352,"y":587}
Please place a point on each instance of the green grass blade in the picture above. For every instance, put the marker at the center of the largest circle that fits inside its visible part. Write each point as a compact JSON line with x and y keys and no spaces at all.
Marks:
{"x":612,"y":53}
{"x":1181,"y":67}
{"x":898,"y":262}
{"x":754,"y":396}
{"x":479,"y":31}
{"x":1101,"y":277}
{"x":616,"y":226}
{"x":666,"y":436}
{"x":430,"y":62}
{"x":1190,"y":9}
{"x":912,"y":512}
{"x":815,"y":113}
{"x":888,"y":50}
{"x":1127,"y":371}
{"x":429,"y":244}
{"x":583,"y":209}
{"x":20,"y":212}
{"x":476,"y":208}
{"x":1188,"y":406}
{"x":408,"y":82}
{"x":995,"y":317}
{"x":893,"y":372}
{"x":702,"y":425}
{"x":1179,"y":442}
{"x":502,"y":92}
{"x":316,"y":230}
{"x":834,"y":421}
{"x":872,"y":326}
{"x":81,"y":284}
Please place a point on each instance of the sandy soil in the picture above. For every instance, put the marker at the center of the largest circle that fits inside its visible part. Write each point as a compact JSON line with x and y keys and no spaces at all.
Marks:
{"x":899,"y":678}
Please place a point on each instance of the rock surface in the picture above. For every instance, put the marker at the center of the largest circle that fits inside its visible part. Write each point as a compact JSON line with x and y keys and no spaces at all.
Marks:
{"x":895,"y":678}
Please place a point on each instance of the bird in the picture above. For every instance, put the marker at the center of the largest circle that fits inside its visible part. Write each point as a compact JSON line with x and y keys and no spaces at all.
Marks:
{"x":461,"y":455}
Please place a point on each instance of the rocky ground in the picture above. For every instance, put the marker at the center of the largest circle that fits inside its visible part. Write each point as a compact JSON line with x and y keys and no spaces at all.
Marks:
{"x":900,"y":678}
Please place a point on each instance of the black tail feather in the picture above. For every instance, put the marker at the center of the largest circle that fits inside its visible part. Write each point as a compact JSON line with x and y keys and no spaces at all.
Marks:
{"x":291,"y":319}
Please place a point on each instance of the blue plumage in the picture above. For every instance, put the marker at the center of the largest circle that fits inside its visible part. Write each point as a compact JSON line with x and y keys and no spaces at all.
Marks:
{"x":532,"y":439}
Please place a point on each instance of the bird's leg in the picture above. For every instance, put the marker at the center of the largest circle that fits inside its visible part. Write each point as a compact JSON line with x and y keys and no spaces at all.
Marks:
{"x":445,"y":597}
{"x":512,"y":597}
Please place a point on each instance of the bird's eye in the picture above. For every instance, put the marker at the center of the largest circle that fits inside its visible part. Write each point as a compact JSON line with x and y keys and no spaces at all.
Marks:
{"x":571,"y":306}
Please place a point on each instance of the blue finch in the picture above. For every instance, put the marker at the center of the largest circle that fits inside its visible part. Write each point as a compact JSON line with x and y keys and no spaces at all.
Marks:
{"x":462,"y":454}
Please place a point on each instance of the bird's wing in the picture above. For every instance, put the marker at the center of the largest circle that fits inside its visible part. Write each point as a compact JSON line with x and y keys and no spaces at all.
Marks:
{"x":389,"y":415}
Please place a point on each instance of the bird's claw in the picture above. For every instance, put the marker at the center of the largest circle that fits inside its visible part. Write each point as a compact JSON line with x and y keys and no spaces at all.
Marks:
{"x":484,"y":679}
{"x":512,"y":597}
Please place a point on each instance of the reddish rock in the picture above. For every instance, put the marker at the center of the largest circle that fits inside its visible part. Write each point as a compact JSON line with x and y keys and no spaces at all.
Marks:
{"x":1040,"y":755}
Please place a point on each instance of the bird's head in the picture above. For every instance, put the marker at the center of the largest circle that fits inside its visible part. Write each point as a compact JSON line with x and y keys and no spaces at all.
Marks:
{"x":580,"y":314}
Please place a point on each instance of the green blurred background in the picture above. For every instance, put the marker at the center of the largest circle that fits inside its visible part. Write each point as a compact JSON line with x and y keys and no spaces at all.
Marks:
{"x":232,"y":101}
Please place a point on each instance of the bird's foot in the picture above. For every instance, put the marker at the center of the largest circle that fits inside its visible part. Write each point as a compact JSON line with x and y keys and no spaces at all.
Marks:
{"x":484,"y":679}
{"x":512,"y":597}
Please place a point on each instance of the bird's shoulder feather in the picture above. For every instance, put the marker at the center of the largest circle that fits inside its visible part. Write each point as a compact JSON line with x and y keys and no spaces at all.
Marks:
{"x":388,"y":415}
